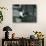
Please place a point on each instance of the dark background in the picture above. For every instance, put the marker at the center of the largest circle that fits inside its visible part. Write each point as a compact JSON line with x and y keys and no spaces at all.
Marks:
{"x":30,"y":13}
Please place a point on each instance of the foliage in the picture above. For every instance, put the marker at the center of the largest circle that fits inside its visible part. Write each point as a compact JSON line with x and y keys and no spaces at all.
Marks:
{"x":39,"y":34}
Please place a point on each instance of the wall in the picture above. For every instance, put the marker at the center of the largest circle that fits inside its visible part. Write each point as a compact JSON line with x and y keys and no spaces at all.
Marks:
{"x":23,"y":29}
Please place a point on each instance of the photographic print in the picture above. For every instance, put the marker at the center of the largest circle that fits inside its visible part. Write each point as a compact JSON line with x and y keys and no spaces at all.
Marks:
{"x":24,"y":13}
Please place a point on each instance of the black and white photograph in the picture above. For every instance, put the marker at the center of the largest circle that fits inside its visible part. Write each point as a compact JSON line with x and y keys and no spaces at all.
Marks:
{"x":24,"y":13}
